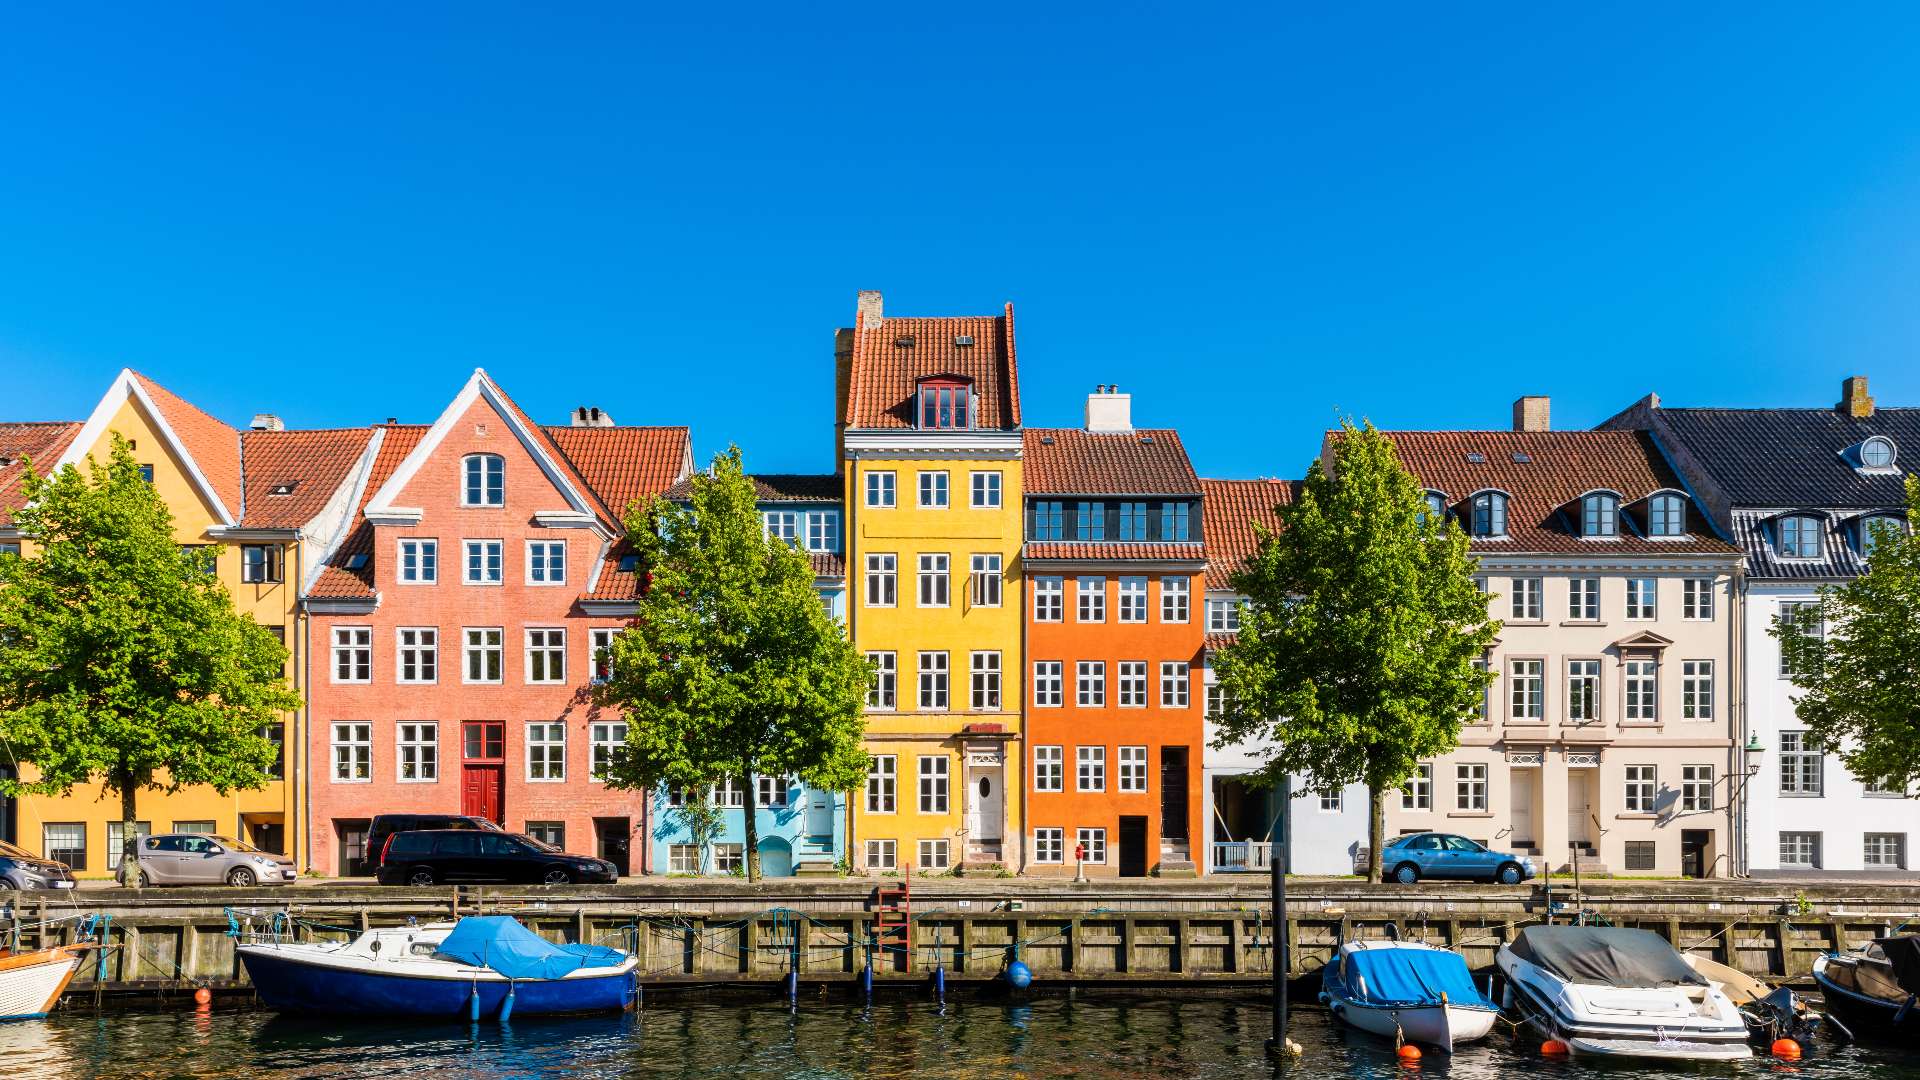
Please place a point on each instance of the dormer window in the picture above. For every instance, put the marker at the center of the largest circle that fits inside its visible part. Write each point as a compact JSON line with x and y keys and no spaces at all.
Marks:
{"x":1666,"y":516}
{"x":1877,"y":453}
{"x":1436,"y":508}
{"x":1878,"y":528}
{"x":945,"y":404}
{"x":1490,"y":514}
{"x":486,"y":480}
{"x":1800,"y":537}
{"x":1600,"y":514}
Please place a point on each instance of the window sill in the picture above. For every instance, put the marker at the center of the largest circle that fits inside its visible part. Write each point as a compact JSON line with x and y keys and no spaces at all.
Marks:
{"x":1636,"y":817}
{"x":1802,"y":795}
{"x":1583,"y":622}
{"x":1469,"y":813}
{"x":1524,"y":622}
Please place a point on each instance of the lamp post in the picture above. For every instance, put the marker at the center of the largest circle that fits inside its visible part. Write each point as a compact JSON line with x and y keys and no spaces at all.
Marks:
{"x":1751,"y":755}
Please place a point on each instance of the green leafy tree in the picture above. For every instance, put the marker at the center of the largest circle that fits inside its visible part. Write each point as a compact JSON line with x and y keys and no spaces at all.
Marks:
{"x":732,"y":668}
{"x":122,"y":660}
{"x":702,"y":820}
{"x":1357,"y":657}
{"x":1856,"y":659}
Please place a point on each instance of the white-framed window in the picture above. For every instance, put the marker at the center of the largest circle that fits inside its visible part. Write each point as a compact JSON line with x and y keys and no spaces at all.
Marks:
{"x":933,"y":489}
{"x":1696,"y":599}
{"x":1643,"y":690}
{"x":1805,"y":616}
{"x":1642,"y":598}
{"x":683,"y":859}
{"x":1090,"y":597}
{"x":419,"y":561}
{"x":1696,"y":689}
{"x":882,"y":772}
{"x":1600,"y":514}
{"x":881,"y":694}
{"x":1133,"y":599}
{"x":484,"y":652}
{"x":1049,"y":690}
{"x":1485,"y":711}
{"x":546,"y":562}
{"x":1802,"y":766}
{"x":1133,"y":768}
{"x":419,"y":654}
{"x":933,"y":784}
{"x":1090,"y":684}
{"x":772,"y":793}
{"x":933,"y":580}
{"x":1470,"y":787}
{"x":352,"y":753}
{"x":1526,"y":683}
{"x":546,"y":751}
{"x":600,"y":640}
{"x":604,"y":738}
{"x":986,"y":490}
{"x":986,"y":580}
{"x":1049,"y":846}
{"x":1800,"y":537}
{"x":880,"y":490}
{"x":882,"y":855}
{"x":984,"y":667}
{"x":781,"y":525}
{"x":1330,"y":802}
{"x":1418,"y":794}
{"x":933,"y":681}
{"x":1173,"y":600}
{"x":546,"y":656}
{"x":823,"y":531}
{"x":1696,"y":788}
{"x":486,"y":480}
{"x":1133,"y":684}
{"x":729,"y":858}
{"x":1223,"y":616}
{"x":1174,"y":679}
{"x":1049,"y":599}
{"x":1216,"y":701}
{"x":66,"y":841}
{"x":1640,"y":789}
{"x":1583,"y":599}
{"x":1666,"y":516}
{"x":1090,"y":768}
{"x":417,"y":752}
{"x":1885,"y":851}
{"x":1092,"y":844}
{"x":934,"y":855}
{"x":1800,"y":850}
{"x":1049,"y":768}
{"x":260,"y":564}
{"x":117,"y":839}
{"x":484,"y":565}
{"x":729,"y":793}
{"x":1526,"y":599}
{"x":352,"y":654}
{"x":1583,"y":691}
{"x":882,"y":580}
{"x":1489,"y":514}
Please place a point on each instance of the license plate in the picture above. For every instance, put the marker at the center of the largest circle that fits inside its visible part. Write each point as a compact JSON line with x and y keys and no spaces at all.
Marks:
{"x":288,"y":874}
{"x":63,"y":884}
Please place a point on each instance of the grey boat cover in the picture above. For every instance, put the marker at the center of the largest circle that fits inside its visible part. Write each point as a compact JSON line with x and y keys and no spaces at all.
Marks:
{"x":1904,"y":954}
{"x":1605,"y":955}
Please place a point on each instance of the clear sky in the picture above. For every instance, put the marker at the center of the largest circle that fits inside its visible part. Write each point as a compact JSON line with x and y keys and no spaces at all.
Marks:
{"x":1253,"y":222}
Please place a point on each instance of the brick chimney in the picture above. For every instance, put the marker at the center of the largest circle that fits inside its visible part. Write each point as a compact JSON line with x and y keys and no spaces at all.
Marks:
{"x":1109,"y":411}
{"x":1854,"y":400}
{"x":1532,"y":413}
{"x":868,"y":308}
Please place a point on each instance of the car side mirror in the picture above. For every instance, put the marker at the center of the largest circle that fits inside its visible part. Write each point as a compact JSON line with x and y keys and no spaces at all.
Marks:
{"x":216,"y":850}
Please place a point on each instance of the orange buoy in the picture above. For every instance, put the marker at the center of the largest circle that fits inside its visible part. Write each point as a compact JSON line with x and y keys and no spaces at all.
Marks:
{"x":1555,"y":1048}
{"x":1786,"y":1048}
{"x":202,"y":996}
{"x":1409,"y":1053}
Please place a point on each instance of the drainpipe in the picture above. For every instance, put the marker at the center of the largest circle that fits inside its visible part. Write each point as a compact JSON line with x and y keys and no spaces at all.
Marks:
{"x":1737,"y":595}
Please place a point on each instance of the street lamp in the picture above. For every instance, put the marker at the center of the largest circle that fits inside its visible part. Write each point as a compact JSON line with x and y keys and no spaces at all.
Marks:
{"x":1753,"y":751}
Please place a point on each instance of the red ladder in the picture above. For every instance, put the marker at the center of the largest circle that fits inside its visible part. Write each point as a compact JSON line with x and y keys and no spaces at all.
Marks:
{"x":893,"y":918}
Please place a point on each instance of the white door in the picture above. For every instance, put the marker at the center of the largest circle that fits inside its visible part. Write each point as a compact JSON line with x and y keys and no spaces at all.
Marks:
{"x":1520,"y":786}
{"x":1579,"y":808}
{"x":986,"y":804}
{"x":819,"y":813}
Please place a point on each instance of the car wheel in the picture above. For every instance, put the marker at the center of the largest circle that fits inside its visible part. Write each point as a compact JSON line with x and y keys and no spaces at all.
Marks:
{"x":1509,"y":874}
{"x":142,"y":881}
{"x":420,"y":876}
{"x":557,"y":876}
{"x":240,"y":877}
{"x":6,"y":884}
{"x":1406,"y":874}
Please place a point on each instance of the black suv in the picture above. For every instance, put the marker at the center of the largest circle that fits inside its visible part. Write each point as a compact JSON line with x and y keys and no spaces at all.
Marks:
{"x":385,"y":825}
{"x":436,"y":856}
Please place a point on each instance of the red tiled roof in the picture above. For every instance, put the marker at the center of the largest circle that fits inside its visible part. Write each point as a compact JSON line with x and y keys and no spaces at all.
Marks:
{"x":1230,"y":509}
{"x":315,"y":462}
{"x":1545,"y":487}
{"x":829,"y":564}
{"x":21,"y":443}
{"x":884,"y":374}
{"x":335,"y":580}
{"x":1071,"y":461}
{"x":1078,"y":551}
{"x":213,"y":445}
{"x":624,"y":465}
{"x":1216,"y":642}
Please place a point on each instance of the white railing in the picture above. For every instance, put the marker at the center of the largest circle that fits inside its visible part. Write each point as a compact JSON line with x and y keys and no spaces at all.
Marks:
{"x":1251,"y":856}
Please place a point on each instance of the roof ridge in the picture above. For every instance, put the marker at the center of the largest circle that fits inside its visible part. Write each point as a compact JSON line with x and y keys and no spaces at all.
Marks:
{"x":153,"y":385}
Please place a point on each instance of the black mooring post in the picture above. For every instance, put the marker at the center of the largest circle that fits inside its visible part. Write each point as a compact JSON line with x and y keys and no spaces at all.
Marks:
{"x":1277,"y":952}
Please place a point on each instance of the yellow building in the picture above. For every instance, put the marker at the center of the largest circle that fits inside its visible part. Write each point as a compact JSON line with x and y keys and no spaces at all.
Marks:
{"x":277,"y":501}
{"x":929,"y":427}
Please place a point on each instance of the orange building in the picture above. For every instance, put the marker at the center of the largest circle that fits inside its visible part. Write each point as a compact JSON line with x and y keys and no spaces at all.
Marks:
{"x":1115,"y":574}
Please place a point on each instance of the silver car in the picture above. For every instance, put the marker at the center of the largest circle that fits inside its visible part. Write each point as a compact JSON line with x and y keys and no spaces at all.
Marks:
{"x":199,"y":859}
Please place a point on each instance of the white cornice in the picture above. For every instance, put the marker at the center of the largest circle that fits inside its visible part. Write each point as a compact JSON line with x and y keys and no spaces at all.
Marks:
{"x":912,"y":443}
{"x":126,"y":385}
{"x":564,"y":519}
{"x":396,"y":515}
{"x":353,"y":605}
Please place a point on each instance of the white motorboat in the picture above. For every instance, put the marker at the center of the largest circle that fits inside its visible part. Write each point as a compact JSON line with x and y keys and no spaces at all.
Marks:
{"x":1407,"y":991}
{"x":1614,"y":992}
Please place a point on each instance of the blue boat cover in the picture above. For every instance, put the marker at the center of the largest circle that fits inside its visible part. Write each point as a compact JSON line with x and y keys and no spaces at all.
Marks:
{"x":1411,"y":977}
{"x":501,"y":943}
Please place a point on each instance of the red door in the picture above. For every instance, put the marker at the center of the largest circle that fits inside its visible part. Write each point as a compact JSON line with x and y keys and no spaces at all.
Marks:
{"x":483,"y":772}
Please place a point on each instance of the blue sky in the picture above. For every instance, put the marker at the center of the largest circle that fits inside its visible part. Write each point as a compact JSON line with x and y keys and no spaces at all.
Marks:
{"x":1253,"y":222}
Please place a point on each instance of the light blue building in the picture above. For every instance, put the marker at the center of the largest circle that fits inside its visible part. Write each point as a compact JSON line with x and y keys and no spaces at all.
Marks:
{"x":801,"y":831}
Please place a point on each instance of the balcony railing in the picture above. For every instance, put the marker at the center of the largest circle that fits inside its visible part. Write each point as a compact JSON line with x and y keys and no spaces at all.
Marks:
{"x":1249,"y":856}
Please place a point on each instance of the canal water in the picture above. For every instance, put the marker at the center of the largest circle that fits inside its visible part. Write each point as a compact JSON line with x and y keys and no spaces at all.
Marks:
{"x":1095,"y":1037}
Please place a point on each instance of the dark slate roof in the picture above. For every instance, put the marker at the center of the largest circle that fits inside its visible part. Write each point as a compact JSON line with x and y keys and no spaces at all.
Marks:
{"x":1780,"y":458}
{"x":1757,"y":533}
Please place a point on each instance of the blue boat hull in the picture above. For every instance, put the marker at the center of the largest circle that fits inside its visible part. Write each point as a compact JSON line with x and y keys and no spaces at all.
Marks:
{"x":290,"y":985}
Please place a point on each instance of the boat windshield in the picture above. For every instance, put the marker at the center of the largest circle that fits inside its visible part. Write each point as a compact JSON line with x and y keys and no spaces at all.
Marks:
{"x":12,"y":852}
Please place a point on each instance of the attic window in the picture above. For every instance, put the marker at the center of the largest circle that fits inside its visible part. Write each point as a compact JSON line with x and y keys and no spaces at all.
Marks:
{"x":1877,"y":453}
{"x":961,"y":341}
{"x":284,"y":489}
{"x":5,"y":461}
{"x":945,"y":404}
{"x":1046,"y":440}
{"x":1522,"y":459}
{"x":1146,"y":440}
{"x":629,"y":563}
{"x":904,"y":341}
{"x":357,"y":561}
{"x":1476,"y":459}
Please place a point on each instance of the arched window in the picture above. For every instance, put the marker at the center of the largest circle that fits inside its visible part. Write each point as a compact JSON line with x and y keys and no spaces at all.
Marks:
{"x":1436,"y":507}
{"x":486,"y":481}
{"x":1877,"y":528}
{"x":1666,"y":516}
{"x":1600,"y":515}
{"x":1490,"y":514}
{"x":1877,"y":453}
{"x":1800,"y":537}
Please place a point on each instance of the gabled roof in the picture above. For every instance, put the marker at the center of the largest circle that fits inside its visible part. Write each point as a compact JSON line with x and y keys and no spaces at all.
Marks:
{"x":626,"y":465}
{"x":313,"y":462}
{"x":208,"y":448}
{"x":42,"y":444}
{"x":884,"y":373}
{"x":1069,"y":461}
{"x":337,"y":579}
{"x":1228,"y":514}
{"x":1796,"y":457}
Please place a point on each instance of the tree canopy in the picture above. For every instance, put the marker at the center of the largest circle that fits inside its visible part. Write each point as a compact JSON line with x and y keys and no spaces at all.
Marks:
{"x":122,"y":659}
{"x":732,"y":668}
{"x":1357,"y":658}
{"x":1856,"y":659}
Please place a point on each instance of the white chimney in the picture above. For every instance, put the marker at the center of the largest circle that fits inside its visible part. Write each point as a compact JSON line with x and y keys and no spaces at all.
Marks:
{"x":266,"y":421}
{"x":1109,"y":410}
{"x":591,"y":417}
{"x":868,"y":308}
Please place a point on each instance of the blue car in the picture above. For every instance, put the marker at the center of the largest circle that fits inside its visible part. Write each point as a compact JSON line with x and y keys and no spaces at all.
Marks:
{"x":1444,"y":855}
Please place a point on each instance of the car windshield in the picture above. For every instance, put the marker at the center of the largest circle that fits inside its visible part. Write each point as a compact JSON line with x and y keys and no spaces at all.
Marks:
{"x":236,"y":845}
{"x":12,"y":852}
{"x":1461,"y":843}
{"x":537,"y":845}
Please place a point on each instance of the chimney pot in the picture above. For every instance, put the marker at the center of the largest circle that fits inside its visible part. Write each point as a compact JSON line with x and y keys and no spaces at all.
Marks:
{"x":1108,"y":411}
{"x":1533,"y":413}
{"x":868,"y":307}
{"x":591,"y":417}
{"x":1854,"y":399}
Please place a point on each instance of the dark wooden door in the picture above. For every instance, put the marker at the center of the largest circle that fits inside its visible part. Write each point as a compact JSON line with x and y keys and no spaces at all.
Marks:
{"x":614,"y":837}
{"x":1693,"y":852}
{"x":1173,"y":792}
{"x":1133,"y":847}
{"x":483,"y":791}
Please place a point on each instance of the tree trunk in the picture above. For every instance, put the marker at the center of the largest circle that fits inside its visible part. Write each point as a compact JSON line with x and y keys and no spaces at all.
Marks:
{"x":129,"y":872}
{"x":753,"y":829}
{"x":1376,"y":833}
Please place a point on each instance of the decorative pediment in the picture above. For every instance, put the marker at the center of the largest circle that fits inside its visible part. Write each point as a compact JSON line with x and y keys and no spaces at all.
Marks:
{"x":1646,"y":641}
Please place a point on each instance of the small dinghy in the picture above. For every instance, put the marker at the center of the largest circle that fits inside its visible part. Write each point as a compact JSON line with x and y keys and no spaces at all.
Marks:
{"x":482,"y":966}
{"x":1408,"y":991}
{"x":1874,"y":992}
{"x":1612,"y":992}
{"x":31,"y":982}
